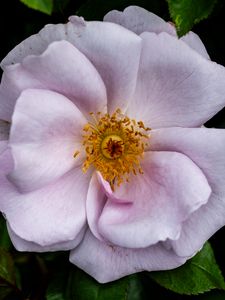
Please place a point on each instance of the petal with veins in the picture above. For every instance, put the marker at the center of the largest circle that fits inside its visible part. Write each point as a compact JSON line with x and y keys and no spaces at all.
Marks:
{"x":49,"y":216}
{"x":176,"y":86}
{"x":43,"y":150}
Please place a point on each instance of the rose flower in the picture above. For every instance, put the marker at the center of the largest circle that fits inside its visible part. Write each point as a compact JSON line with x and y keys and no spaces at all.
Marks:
{"x":102,"y":146}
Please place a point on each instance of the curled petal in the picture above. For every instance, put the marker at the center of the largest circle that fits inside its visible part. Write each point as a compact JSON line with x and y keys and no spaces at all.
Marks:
{"x":96,"y":199}
{"x":151,"y":207}
{"x":206,"y":148}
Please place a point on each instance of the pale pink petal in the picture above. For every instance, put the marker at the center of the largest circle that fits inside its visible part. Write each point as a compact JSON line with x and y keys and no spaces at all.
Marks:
{"x":3,"y":146}
{"x":46,"y":132}
{"x":6,"y":163}
{"x":194,"y":41}
{"x":201,"y":226}
{"x":23,"y":245}
{"x":36,"y":44}
{"x":205,"y":147}
{"x":176,"y":86}
{"x":106,"y":262}
{"x":96,"y":199}
{"x":151,"y":207}
{"x":113,"y":50}
{"x":138,"y":20}
{"x":61,"y":68}
{"x":50,"y":216}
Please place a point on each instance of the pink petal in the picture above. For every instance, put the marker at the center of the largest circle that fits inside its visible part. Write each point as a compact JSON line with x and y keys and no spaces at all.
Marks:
{"x":194,"y":41}
{"x":3,"y":146}
{"x":201,"y":226}
{"x":46,"y":131}
{"x":36,"y":44}
{"x":50,"y":216}
{"x":176,"y":86}
{"x":138,"y":20}
{"x":113,"y":50}
{"x":6,"y":163}
{"x":106,"y":262}
{"x":61,"y":68}
{"x":151,"y":207}
{"x":205,"y":147}
{"x":23,"y":245}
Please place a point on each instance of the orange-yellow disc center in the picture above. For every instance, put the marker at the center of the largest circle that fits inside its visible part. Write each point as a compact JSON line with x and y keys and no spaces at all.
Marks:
{"x":112,"y":146}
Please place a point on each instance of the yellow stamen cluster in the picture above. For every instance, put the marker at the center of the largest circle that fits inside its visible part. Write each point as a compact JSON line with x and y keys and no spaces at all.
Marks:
{"x":114,"y":145}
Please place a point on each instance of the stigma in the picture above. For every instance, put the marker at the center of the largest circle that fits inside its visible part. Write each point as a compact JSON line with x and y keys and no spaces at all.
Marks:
{"x":114,"y":146}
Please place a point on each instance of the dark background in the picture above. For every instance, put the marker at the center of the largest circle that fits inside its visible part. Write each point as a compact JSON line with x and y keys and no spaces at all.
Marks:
{"x":18,"y":22}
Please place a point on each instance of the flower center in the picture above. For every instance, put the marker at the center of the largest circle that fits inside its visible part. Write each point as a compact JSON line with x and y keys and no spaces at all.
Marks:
{"x":114,"y":145}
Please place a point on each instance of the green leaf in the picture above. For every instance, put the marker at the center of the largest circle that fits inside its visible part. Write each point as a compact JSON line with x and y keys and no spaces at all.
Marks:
{"x":58,"y":267}
{"x":186,"y":13}
{"x":57,"y":286}
{"x":45,"y":6}
{"x":83,"y":287}
{"x":7,"y":274}
{"x":135,"y":290}
{"x":200,"y":274}
{"x":56,"y":295}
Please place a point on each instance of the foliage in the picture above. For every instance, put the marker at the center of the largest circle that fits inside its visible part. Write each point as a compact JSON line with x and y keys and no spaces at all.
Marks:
{"x":198,"y":275}
{"x":45,"y":6}
{"x":50,"y":276}
{"x":186,"y":13}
